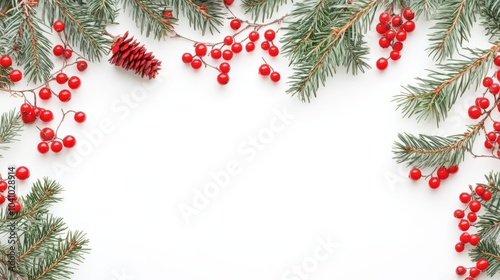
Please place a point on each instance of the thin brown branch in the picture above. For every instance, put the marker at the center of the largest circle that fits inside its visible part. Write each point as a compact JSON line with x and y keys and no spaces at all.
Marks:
{"x":453,"y":25}
{"x":34,"y":246}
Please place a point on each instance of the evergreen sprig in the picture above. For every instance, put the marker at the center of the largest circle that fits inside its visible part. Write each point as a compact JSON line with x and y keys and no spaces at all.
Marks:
{"x":322,"y":36}
{"x":490,"y":18}
{"x":263,"y":9}
{"x":147,"y":15}
{"x":427,"y":8}
{"x":104,"y":11}
{"x":433,"y":97}
{"x":431,"y":151}
{"x":209,"y":18}
{"x":455,"y":19}
{"x":10,"y":127}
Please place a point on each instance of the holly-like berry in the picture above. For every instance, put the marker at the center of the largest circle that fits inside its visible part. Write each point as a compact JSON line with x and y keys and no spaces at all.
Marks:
{"x":58,"y":50}
{"x":415,"y":173}
{"x":81,"y":65}
{"x":384,"y":17}
{"x":488,"y":144}
{"x":382,"y":63}
{"x":58,"y":25}
{"x":56,"y":146}
{"x":465,"y":237}
{"x":408,"y":14}
{"x":384,"y":42}
{"x":22,"y":173}
{"x":460,"y":269}
{"x":196,"y":63}
{"x":479,"y":190}
{"x":382,"y":27}
{"x":5,"y":61}
{"x":187,"y":58}
{"x":409,"y":26}
{"x":486,"y":195}
{"x":45,"y":93}
{"x":3,"y":186}
{"x":64,"y":95}
{"x":269,"y":35}
{"x":227,"y":54}
{"x":235,"y":24}
{"x":47,"y":134}
{"x":397,"y":46}
{"x":390,"y":34}
{"x":397,"y":21}
{"x":434,"y":182}
{"x":395,"y":55}
{"x":472,"y":217}
{"x":25,"y":109}
{"x":237,"y":47}
{"x":464,"y":225}
{"x":494,"y":88}
{"x":474,"y":206}
{"x":459,"y":214}
{"x":264,"y":70}
{"x":275,"y":77}
{"x":15,"y":75}
{"x":474,"y":112}
{"x":496,"y":126}
{"x":497,"y":61}
{"x":69,"y":141}
{"x":474,"y":239}
{"x":465,"y":197}
{"x":15,"y":207}
{"x":223,"y":78}
{"x":401,"y":35}
{"x":492,"y":136}
{"x":265,"y":45}
{"x":61,"y":78}
{"x":474,"y":272}
{"x":2,"y":199}
{"x":215,"y":53}
{"x":43,"y":147}
{"x":74,"y":82}
{"x":482,"y":264}
{"x":228,"y":40}
{"x":442,"y":173}
{"x":254,"y":36}
{"x":200,"y":49}
{"x":68,"y":53}
{"x":46,"y":116}
{"x":452,"y":169}
{"x":225,"y":67}
{"x":250,"y":46}
{"x":80,"y":117}
{"x":273,"y":51}
{"x":487,"y":81}
{"x":483,"y":102}
{"x":228,"y":2}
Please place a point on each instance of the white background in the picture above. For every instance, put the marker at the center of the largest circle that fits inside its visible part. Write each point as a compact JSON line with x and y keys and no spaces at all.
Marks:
{"x":328,"y":175}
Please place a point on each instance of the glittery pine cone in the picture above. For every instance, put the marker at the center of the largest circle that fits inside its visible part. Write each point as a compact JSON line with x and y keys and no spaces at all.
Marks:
{"x":129,"y":55}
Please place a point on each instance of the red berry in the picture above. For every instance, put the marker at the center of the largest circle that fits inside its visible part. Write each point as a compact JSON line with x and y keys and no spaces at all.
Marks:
{"x":58,"y":25}
{"x":2,"y":199}
{"x":64,"y":95}
{"x":25,"y":109}
{"x":415,"y":173}
{"x":80,"y":117}
{"x":474,"y":272}
{"x":465,"y":237}
{"x":459,"y":214}
{"x":474,"y":112}
{"x":254,"y":36}
{"x":401,"y":35}
{"x":275,"y":77}
{"x":265,"y":45}
{"x":225,"y":67}
{"x":390,"y":34}
{"x":408,"y":14}
{"x":397,"y":21}
{"x":228,"y":2}
{"x":487,"y":81}
{"x":497,"y":61}
{"x":384,"y":42}
{"x":434,"y":182}
{"x":237,"y":47}
{"x":46,"y":116}
{"x":382,"y":27}
{"x":384,"y":17}
{"x":382,"y":63}
{"x":228,"y":40}
{"x":250,"y":46}
{"x":43,"y":147}
{"x":74,"y":82}
{"x":409,"y":26}
{"x":442,"y":173}
{"x":482,"y":264}
{"x":223,"y":78}
{"x":453,"y":169}
{"x":15,"y":75}
{"x":465,"y":197}
{"x":61,"y":78}
{"x":269,"y":35}
{"x":36,"y":111}
{"x":483,"y":102}
{"x":68,"y":53}
{"x":58,"y":50}
{"x":15,"y":207}
{"x":492,"y":136}
{"x":496,"y":126}
{"x":474,"y":239}
{"x":235,"y":24}
{"x":3,"y":186}
{"x":463,"y":225}
{"x":397,"y":46}
{"x":56,"y":146}
{"x":474,"y":205}
{"x":81,"y":65}
{"x":29,"y":118}
{"x":460,"y":269}
{"x":47,"y":134}
{"x":5,"y":61}
{"x":187,"y":58}
{"x":216,"y":53}
{"x":479,"y":190}
{"x":227,"y":54}
{"x":472,"y":217}
{"x":264,"y":70}
{"x":486,"y":195}
{"x":45,"y":93}
{"x":488,"y":144}
{"x":22,"y":173}
{"x":273,"y":51}
{"x":494,"y":88}
{"x":69,"y":141}
{"x":196,"y":63}
{"x":200,"y":49}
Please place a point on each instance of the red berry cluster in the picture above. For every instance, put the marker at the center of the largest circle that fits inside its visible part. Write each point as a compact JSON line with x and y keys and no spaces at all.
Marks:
{"x":394,"y":30}
{"x":466,"y":220}
{"x":434,"y":182}
{"x":50,"y":140}
{"x":21,"y":173}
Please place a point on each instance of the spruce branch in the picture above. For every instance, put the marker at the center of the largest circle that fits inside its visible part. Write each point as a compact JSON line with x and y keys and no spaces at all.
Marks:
{"x":263,"y":9}
{"x":452,"y":28}
{"x":210,"y":17}
{"x":10,"y":127}
{"x":490,"y":18}
{"x":105,"y":11}
{"x":148,"y":17}
{"x":318,"y":38}
{"x":427,"y":8}
{"x":433,"y":97}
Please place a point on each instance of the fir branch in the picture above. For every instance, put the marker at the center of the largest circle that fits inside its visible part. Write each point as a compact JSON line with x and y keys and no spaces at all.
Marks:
{"x":317,"y":43}
{"x":427,"y":8}
{"x":209,"y":18}
{"x":430,"y":151}
{"x":490,"y":250}
{"x":455,"y":19}
{"x":10,"y":127}
{"x":263,"y":8}
{"x":490,"y":18}
{"x":38,"y":237}
{"x":434,"y":96}
{"x":81,"y":28}
{"x":105,"y":11}
{"x":147,"y":15}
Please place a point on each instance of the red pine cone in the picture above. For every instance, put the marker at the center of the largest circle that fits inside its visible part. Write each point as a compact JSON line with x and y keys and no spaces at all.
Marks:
{"x":129,"y":55}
